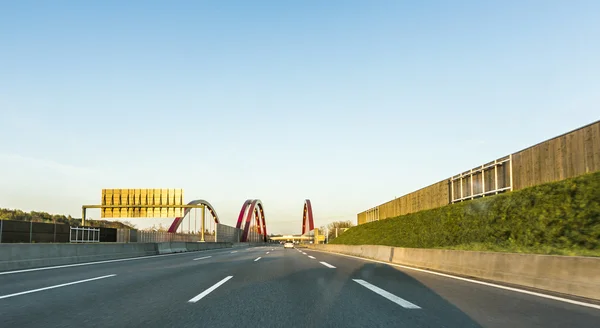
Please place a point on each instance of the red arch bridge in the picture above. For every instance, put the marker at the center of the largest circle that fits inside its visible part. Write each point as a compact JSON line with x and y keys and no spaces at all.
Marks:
{"x":252,"y":211}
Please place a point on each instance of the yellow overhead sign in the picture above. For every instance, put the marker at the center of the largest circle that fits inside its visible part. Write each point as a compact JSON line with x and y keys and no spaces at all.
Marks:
{"x":148,"y":200}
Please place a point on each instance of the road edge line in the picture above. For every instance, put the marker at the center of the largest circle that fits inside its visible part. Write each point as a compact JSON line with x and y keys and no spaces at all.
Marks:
{"x":56,"y":286}
{"x":62,"y":266}
{"x":523,"y":291}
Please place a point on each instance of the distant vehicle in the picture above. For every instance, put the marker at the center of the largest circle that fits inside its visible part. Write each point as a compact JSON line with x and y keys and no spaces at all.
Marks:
{"x":288,"y":244}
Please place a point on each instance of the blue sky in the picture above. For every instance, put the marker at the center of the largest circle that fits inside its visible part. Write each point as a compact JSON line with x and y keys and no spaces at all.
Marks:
{"x":348,"y":103}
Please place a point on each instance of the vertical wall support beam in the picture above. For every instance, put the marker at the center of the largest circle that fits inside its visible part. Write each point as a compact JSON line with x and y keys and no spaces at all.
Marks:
{"x":511,"y":172}
{"x":202,"y":217}
{"x":471,"y":177}
{"x":461,"y":187}
{"x":496,"y":176}
{"x":482,"y":181}
{"x":83,"y":210}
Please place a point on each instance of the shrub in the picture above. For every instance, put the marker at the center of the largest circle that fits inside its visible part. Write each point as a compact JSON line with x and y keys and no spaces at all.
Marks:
{"x":557,"y":215}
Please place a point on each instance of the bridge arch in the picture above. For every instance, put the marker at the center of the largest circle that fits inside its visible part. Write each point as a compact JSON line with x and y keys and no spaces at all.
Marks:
{"x":252,"y":208}
{"x":177,"y":222}
{"x":308,"y":223}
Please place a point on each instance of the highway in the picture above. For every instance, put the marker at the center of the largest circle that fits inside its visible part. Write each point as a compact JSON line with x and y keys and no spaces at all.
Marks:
{"x":267,"y":287}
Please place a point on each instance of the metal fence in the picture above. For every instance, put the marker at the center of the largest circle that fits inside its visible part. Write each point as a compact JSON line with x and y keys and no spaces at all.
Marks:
{"x":84,"y":235}
{"x":14,"y":231}
{"x":161,"y":236}
{"x":141,"y":236}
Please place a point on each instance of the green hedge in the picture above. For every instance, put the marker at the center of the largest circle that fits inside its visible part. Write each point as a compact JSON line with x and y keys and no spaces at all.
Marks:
{"x":553,"y":216}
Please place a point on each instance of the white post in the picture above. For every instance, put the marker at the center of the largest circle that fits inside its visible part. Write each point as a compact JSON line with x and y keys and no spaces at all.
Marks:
{"x":471,"y":176}
{"x":216,"y":232}
{"x":482,"y":181}
{"x":496,"y":176}
{"x":461,"y":186}
{"x":202,"y":217}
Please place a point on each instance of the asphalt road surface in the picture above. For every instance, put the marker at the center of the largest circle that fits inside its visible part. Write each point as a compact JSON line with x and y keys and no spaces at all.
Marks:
{"x":267,"y":287}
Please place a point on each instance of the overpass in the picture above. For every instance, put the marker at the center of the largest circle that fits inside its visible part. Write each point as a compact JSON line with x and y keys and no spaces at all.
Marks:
{"x":293,"y":237}
{"x":308,"y":225}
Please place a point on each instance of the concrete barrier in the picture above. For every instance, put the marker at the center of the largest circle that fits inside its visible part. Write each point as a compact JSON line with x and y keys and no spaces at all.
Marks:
{"x":26,"y":256}
{"x":163,"y":248}
{"x":572,"y":275}
{"x":178,"y":247}
{"x":199,"y":246}
{"x":249,"y":244}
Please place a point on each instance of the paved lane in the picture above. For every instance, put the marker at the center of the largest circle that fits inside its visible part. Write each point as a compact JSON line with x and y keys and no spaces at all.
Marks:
{"x":445,"y":300}
{"x":268,"y":287}
{"x":142,"y":292}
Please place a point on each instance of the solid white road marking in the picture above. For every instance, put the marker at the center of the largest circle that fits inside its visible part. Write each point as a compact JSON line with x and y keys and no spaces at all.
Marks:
{"x":202,"y":258}
{"x":258,"y":258}
{"x":556,"y":298}
{"x":233,"y":252}
{"x":312,"y":257}
{"x":93,"y":263}
{"x":56,"y":286}
{"x":208,"y":291}
{"x":327,"y":265}
{"x":400,"y":301}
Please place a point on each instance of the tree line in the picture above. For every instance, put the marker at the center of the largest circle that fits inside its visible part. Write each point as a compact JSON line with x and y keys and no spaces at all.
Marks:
{"x":340,"y":226}
{"x":43,"y":217}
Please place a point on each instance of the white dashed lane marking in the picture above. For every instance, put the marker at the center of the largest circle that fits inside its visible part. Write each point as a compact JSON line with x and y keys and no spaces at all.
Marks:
{"x":208,"y":291}
{"x":398,"y":300}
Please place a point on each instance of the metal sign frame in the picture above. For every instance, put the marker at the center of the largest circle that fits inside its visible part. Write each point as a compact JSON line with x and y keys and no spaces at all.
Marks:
{"x":85,"y":207}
